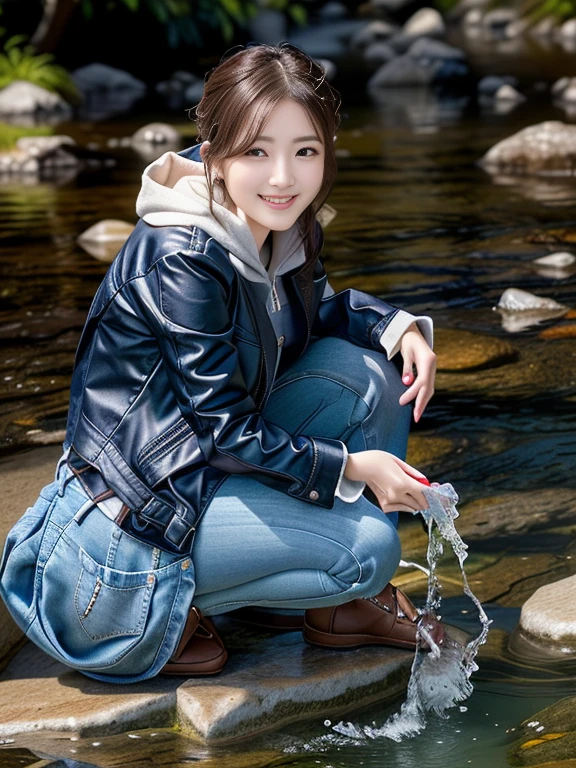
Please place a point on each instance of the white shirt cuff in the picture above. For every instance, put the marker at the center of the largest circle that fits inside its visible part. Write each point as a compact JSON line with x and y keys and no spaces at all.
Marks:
{"x":348,"y":490}
{"x":399,"y":324}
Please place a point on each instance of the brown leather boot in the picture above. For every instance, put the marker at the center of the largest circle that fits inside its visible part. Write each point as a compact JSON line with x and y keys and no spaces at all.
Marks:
{"x":200,"y":650}
{"x":389,"y":618}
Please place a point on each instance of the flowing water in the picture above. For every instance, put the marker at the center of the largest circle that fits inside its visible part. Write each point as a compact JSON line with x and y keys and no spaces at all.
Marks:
{"x":421,"y":224}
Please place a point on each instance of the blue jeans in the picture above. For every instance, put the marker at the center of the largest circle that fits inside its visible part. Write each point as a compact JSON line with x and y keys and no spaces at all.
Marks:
{"x":258,"y":546}
{"x":113,"y":607}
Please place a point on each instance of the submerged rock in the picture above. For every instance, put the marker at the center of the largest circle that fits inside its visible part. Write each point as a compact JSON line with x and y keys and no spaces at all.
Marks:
{"x":548,"y":148}
{"x":490,"y":84}
{"x":104,"y":240}
{"x":465,"y":351}
{"x":548,"y":738}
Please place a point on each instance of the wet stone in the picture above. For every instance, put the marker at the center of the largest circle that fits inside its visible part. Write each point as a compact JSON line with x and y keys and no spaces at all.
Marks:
{"x":549,"y":616}
{"x":547,"y":737}
{"x":465,"y":351}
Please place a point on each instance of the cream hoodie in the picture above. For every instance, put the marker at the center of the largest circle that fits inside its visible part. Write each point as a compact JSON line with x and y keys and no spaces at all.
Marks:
{"x":174,"y":192}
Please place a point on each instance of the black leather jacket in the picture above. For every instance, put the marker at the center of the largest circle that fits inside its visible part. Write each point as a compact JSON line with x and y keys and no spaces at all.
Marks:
{"x":174,"y":366}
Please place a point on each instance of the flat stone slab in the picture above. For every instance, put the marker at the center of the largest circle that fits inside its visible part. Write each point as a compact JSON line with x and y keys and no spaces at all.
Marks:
{"x":270,"y":680}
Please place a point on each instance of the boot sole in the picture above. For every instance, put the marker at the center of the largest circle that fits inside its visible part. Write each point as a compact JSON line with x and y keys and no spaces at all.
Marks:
{"x":328,"y":640}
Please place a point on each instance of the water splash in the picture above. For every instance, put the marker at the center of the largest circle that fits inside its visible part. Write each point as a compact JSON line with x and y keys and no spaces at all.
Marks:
{"x":440,"y":674}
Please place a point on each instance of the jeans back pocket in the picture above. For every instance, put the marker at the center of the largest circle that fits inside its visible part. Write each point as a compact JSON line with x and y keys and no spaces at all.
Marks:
{"x":111,"y":603}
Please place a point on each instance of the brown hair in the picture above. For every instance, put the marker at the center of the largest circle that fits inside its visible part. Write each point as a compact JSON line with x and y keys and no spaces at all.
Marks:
{"x":240,"y":94}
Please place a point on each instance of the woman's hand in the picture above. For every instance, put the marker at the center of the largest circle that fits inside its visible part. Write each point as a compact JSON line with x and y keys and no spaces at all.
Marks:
{"x":416,"y":353}
{"x":391,"y":480}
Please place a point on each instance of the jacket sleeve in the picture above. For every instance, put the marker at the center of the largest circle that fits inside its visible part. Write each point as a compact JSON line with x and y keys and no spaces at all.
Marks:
{"x":185,"y":302}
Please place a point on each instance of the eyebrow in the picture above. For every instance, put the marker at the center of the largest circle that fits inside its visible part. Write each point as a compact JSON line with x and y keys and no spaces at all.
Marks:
{"x":313,"y":137}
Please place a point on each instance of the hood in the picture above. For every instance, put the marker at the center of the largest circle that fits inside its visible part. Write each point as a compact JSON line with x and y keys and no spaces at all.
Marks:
{"x":174,"y":193}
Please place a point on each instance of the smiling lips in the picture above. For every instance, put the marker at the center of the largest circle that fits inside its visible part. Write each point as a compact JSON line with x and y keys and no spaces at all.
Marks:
{"x":279,"y":203}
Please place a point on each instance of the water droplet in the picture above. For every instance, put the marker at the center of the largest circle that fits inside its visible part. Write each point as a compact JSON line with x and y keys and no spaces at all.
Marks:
{"x":327,"y":723}
{"x":133,"y":736}
{"x":96,"y":743}
{"x":463,"y":708}
{"x":540,"y":728}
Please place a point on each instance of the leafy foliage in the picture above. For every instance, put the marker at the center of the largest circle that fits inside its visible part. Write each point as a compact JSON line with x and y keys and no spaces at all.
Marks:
{"x":184,"y":20}
{"x":534,"y":10}
{"x":22,"y":63}
{"x":9,"y":134}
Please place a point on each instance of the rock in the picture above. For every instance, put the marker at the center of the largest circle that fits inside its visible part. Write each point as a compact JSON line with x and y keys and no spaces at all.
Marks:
{"x":545,"y":148}
{"x":498,"y":19}
{"x":568,"y":29}
{"x":490,"y":85}
{"x":101,"y":77}
{"x":107,"y":91}
{"x":24,"y":98}
{"x":426,"y":21}
{"x":560,"y":85}
{"x":527,"y":377}
{"x":40,"y":145}
{"x":378,"y":54}
{"x":401,"y":71}
{"x":268,"y":681}
{"x":543,"y":28}
{"x":328,"y":41}
{"x":194,"y":92}
{"x":333,"y":10}
{"x":508,"y":93}
{"x":104,"y":240}
{"x":329,"y":68}
{"x":559,"y":332}
{"x":520,"y":309}
{"x":569,"y":95}
{"x":156,"y":133}
{"x":373,"y":32}
{"x":472,"y":19}
{"x":517,"y":300}
{"x":548,"y":738}
{"x":511,"y":514}
{"x":550,"y":614}
{"x":465,"y":351}
{"x":427,"y":48}
{"x":559,"y":260}
{"x":296,"y":681}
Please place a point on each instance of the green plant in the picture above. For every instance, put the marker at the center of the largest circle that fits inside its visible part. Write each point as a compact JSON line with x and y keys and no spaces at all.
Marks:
{"x":22,"y":63}
{"x":534,"y":10}
{"x":9,"y":134}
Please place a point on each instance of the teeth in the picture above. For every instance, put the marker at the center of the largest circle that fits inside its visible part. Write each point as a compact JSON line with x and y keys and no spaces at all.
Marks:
{"x":278,"y":199}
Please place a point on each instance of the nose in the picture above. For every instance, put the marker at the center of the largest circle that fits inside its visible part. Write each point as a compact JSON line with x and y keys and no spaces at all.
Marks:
{"x":282,"y":175}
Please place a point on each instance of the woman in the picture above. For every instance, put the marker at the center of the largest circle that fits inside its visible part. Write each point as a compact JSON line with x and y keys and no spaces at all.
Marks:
{"x":230,"y":415}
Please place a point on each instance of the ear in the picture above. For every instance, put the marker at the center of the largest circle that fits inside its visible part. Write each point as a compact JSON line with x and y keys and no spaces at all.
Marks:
{"x":204,"y":148}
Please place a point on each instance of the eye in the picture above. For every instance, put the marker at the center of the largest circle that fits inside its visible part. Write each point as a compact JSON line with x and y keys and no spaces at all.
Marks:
{"x":253,"y":150}
{"x":306,"y":149}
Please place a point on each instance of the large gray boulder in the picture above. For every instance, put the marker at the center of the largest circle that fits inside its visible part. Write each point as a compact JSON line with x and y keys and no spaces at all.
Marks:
{"x":428,"y":48}
{"x":24,"y":98}
{"x":547,"y":148}
{"x":374,"y":32}
{"x":101,"y":77}
{"x":107,"y":91}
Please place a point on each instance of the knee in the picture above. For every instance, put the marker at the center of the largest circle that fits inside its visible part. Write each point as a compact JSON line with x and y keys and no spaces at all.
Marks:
{"x":381,"y":558}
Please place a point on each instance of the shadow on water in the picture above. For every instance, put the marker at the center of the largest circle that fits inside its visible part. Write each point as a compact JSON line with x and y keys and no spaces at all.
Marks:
{"x":421,"y":224}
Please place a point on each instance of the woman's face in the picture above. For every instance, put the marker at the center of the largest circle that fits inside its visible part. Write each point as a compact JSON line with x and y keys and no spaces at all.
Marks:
{"x":280,"y":175}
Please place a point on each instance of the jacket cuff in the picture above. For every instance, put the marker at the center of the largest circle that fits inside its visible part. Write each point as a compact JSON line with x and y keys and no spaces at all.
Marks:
{"x":392,"y":336}
{"x":328,"y":459}
{"x":348,"y":490}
